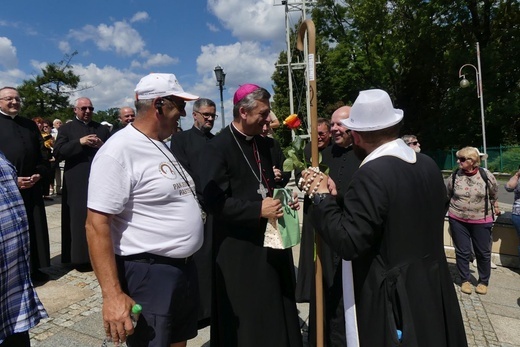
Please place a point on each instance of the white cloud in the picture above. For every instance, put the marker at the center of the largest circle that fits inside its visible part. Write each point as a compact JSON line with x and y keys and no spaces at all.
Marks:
{"x":120,"y":37}
{"x":107,"y":86}
{"x":140,"y":17}
{"x":7,"y":53}
{"x":254,"y":20}
{"x":64,"y":46}
{"x":159,"y":60}
{"x":243,"y":62}
{"x":12,"y":77}
{"x":212,"y":27}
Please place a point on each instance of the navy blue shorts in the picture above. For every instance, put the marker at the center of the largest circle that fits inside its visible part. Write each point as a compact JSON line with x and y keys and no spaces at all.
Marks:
{"x":169,"y":296}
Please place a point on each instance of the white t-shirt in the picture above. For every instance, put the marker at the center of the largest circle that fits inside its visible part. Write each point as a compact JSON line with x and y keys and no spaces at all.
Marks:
{"x":154,"y":208}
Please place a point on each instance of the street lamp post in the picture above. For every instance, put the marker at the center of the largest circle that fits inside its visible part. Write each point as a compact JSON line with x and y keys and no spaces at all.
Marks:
{"x":221,"y":81}
{"x":465,"y":83}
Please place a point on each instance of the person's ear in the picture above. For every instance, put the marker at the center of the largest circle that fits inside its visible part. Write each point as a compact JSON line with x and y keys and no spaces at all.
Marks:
{"x":243,"y":113}
{"x":355,"y":136}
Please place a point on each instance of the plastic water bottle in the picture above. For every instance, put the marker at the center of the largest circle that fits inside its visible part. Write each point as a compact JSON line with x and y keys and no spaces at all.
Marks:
{"x":134,"y":316}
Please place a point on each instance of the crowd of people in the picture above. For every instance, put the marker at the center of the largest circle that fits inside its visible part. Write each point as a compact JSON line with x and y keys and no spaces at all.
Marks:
{"x":175,"y":221}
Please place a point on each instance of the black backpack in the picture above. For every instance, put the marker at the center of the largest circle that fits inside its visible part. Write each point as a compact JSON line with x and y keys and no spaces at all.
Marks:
{"x":486,"y":180}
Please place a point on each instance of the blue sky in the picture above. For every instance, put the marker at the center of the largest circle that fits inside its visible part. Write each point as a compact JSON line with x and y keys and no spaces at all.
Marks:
{"x":119,"y":41}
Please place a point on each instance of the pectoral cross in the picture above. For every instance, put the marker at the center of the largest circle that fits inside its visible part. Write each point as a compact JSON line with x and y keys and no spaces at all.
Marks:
{"x":262,"y":191}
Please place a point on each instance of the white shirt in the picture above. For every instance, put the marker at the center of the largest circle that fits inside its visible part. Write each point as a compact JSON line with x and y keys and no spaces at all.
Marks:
{"x":154,"y":208}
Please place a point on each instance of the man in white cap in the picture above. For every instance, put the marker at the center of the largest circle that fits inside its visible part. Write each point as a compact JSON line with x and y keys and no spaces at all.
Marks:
{"x":402,"y":289}
{"x":144,"y":224}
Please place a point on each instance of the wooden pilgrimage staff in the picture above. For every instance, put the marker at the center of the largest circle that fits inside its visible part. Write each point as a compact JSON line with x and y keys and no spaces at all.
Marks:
{"x":308,"y":27}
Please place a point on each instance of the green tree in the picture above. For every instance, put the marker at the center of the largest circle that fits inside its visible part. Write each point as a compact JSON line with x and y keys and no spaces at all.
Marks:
{"x":47,"y":94}
{"x":413,"y":49}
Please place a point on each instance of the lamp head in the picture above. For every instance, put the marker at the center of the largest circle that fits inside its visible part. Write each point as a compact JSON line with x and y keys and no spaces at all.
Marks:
{"x":464,"y":83}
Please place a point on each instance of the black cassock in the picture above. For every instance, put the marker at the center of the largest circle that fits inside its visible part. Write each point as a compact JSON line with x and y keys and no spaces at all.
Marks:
{"x":22,"y":144}
{"x":254,"y":301}
{"x":187,"y":146}
{"x":392,"y":230}
{"x":78,"y":160}
{"x":342,"y":163}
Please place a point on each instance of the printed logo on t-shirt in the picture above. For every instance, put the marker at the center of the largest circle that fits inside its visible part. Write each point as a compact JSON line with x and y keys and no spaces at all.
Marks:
{"x":167,"y":170}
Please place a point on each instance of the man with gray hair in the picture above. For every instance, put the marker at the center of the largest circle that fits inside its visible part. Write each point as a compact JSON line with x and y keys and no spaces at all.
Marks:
{"x":77,"y":143}
{"x":145,"y":223}
{"x":401,"y":284}
{"x":412,"y":142}
{"x":188,"y":147}
{"x":238,"y":182}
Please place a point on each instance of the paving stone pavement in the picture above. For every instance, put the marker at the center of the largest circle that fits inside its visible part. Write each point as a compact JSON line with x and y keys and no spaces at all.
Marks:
{"x":73,"y":301}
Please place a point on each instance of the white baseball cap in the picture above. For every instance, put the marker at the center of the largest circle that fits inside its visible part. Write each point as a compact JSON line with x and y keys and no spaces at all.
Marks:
{"x":372,"y":110}
{"x":156,"y":85}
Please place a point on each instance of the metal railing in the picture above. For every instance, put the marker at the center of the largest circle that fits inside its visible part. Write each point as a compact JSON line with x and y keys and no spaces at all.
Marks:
{"x":504,"y":159}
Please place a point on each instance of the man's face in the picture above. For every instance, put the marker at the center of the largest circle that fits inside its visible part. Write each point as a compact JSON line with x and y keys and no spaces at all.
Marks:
{"x":340,"y":133}
{"x":84,"y":110}
{"x":173,"y":108}
{"x":204,"y":118}
{"x":415,"y":145}
{"x":323,"y":136}
{"x":126,"y":116}
{"x":257,"y":118}
{"x":10,"y":102}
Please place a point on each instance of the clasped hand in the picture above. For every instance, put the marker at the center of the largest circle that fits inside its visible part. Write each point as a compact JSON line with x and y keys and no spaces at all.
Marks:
{"x":272,"y":208}
{"x":91,"y":140}
{"x":314,"y":181}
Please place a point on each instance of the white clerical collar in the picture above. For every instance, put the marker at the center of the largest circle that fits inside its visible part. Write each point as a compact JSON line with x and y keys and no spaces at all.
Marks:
{"x":248,"y":137}
{"x":86,"y":123}
{"x":396,"y":148}
{"x":8,"y":115}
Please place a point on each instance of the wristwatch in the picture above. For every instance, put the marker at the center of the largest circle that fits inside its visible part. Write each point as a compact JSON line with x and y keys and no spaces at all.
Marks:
{"x":318,"y":197}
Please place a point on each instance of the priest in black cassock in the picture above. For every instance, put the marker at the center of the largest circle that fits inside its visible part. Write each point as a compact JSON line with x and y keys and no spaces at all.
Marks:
{"x":77,"y":143}
{"x":391,"y":227}
{"x":22,"y":144}
{"x":189,"y":149}
{"x":342,"y":163}
{"x":254,"y":303}
{"x":305,"y":277}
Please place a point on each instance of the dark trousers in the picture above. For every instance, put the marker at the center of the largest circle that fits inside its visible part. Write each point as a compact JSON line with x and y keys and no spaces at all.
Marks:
{"x":466,"y":234}
{"x":17,"y":340}
{"x":516,"y":222}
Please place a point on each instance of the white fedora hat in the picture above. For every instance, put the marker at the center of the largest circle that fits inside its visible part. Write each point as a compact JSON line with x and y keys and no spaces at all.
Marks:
{"x":372,"y":110}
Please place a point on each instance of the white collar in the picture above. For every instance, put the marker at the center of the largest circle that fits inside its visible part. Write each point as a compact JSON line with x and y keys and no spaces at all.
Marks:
{"x":248,"y":137}
{"x":8,"y":115}
{"x":396,"y":148}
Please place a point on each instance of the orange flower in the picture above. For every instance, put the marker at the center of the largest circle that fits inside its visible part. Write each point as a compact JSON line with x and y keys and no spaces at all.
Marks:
{"x":292,"y":122}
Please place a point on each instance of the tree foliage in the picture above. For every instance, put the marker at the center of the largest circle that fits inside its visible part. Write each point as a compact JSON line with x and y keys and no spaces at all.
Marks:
{"x":47,"y":94}
{"x":413,"y":49}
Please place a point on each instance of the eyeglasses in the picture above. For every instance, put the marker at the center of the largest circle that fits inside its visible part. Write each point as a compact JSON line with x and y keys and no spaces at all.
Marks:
{"x":207,"y":115}
{"x":10,"y":99}
{"x":180,"y":105}
{"x":85,"y":108}
{"x":45,"y":126}
{"x":413,"y":143}
{"x":463,"y":159}
{"x":321,"y":133}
